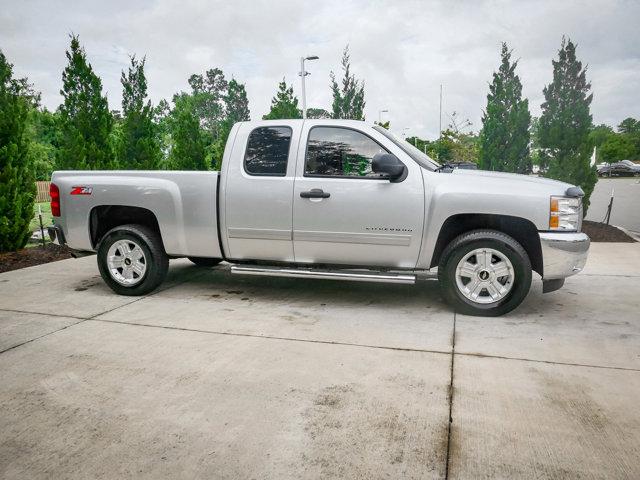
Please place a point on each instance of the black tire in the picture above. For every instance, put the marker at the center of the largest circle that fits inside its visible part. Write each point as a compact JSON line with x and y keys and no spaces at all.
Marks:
{"x":205,"y":261}
{"x":156,"y":260}
{"x":466,"y":243}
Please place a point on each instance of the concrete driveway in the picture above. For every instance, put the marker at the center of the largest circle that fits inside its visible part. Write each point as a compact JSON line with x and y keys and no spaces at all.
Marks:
{"x":219,"y":376}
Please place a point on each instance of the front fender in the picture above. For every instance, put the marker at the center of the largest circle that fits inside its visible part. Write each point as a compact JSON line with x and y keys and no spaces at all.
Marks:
{"x":447,"y":195}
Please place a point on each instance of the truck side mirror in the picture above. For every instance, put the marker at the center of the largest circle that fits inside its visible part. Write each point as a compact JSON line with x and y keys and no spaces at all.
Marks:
{"x":389,"y":165}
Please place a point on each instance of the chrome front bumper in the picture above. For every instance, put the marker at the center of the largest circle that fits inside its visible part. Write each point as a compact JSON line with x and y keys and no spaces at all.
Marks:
{"x":563,"y":254}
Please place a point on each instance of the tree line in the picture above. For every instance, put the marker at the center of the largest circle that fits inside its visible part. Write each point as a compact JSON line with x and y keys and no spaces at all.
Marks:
{"x":560,"y":142}
{"x":190,"y":131}
{"x":187,"y":133}
{"x":83,"y":133}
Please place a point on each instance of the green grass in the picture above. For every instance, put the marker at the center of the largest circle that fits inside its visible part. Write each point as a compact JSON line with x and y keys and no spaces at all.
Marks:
{"x":47,"y":218}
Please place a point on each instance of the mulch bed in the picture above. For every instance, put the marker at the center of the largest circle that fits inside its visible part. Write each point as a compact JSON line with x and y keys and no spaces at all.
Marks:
{"x":601,"y":232}
{"x":27,"y":257}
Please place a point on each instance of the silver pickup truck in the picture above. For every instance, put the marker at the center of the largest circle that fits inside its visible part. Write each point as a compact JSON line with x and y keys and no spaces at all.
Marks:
{"x":328,"y":199}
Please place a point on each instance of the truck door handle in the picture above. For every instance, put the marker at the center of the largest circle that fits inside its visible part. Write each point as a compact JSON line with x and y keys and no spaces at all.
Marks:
{"x":315,"y":193}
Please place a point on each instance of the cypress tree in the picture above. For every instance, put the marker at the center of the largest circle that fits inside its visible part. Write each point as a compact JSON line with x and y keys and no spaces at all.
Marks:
{"x":504,"y":138}
{"x":138,"y":147}
{"x":348,"y":100}
{"x":85,"y":119}
{"x":284,"y":104}
{"x":17,"y":187}
{"x":565,"y":123}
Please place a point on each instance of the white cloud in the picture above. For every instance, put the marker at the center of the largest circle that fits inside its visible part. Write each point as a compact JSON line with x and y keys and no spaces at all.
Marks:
{"x":403,"y":50}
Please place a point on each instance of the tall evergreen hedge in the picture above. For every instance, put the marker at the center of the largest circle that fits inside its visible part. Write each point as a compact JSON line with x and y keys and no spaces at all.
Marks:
{"x":17,"y":186}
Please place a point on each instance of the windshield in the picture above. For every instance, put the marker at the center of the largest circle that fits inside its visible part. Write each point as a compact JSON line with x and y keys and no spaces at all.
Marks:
{"x":421,"y":159}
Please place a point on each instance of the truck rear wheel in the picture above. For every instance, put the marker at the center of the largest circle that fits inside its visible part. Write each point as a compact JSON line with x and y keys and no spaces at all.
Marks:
{"x":132,"y":260}
{"x":205,"y":261}
{"x":485,"y":273}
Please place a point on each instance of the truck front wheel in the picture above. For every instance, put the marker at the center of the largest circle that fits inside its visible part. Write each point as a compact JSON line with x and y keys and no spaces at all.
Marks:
{"x":132,"y":260}
{"x":485,"y":273}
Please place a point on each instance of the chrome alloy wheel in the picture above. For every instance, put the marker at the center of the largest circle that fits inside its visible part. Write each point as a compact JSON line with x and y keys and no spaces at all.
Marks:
{"x":485,"y":275}
{"x":127,"y":263}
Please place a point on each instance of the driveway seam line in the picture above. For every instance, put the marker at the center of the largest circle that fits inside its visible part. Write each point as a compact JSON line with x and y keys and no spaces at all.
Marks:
{"x":44,"y":314}
{"x":272,"y":337}
{"x":362,"y":345}
{"x":81,"y":319}
{"x":450,"y":395}
{"x":41,"y":336}
{"x":607,"y":275}
{"x":549,"y":362}
{"x":155,"y":292}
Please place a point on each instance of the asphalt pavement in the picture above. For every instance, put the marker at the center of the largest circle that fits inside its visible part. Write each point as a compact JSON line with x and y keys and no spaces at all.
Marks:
{"x":626,"y":203}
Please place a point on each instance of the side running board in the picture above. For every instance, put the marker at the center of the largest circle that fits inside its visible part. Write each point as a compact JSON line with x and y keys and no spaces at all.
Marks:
{"x":351,"y":275}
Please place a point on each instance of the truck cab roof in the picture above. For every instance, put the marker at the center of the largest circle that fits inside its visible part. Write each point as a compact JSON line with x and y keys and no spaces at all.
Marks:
{"x":312,"y":121}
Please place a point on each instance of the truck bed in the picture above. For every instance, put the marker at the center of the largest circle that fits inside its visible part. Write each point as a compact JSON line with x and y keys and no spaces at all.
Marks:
{"x":184,"y":204}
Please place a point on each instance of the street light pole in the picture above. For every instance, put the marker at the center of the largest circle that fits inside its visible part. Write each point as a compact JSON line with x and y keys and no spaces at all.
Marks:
{"x":303,"y":74}
{"x":304,"y":93}
{"x":440,"y":126}
{"x":380,"y":112}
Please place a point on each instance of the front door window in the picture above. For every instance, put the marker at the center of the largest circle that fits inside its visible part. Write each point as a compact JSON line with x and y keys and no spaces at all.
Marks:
{"x":340,"y":152}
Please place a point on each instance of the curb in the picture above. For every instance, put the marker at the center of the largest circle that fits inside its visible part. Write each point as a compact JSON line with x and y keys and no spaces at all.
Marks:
{"x":633,"y":235}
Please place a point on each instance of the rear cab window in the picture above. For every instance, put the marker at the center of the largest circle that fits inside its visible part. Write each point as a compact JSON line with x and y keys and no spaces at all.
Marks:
{"x":267,"y":151}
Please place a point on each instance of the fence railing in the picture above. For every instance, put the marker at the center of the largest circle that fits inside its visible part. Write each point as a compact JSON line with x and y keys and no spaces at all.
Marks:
{"x":43,"y":192}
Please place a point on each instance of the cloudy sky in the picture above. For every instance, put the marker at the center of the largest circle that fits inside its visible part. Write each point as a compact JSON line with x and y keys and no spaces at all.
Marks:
{"x":403,"y":50}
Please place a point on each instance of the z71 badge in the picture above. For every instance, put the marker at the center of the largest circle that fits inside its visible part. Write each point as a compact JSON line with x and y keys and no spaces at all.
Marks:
{"x":81,"y":190}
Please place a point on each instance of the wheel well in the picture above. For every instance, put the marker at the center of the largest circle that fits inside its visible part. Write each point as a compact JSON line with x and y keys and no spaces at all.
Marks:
{"x":522,"y":230}
{"x":105,"y":217}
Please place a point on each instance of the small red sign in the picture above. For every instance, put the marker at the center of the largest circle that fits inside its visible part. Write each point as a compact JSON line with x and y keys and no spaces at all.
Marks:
{"x":81,"y":190}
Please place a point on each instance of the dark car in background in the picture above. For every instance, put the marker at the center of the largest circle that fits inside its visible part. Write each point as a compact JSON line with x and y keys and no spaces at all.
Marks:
{"x":623,"y":168}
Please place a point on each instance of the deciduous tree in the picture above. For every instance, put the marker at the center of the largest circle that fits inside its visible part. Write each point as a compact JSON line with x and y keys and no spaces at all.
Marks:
{"x":217,"y":104}
{"x":600,"y":134}
{"x":162,"y":120}
{"x":43,"y":133}
{"x":236,"y":109}
{"x":208,"y":93}
{"x":629,"y":125}
{"x":236,"y":104}
{"x":318,"y":113}
{"x":188,"y":147}
{"x":616,"y":147}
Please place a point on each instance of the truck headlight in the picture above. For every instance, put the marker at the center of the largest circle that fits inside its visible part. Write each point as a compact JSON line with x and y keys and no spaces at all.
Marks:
{"x":565,"y":213}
